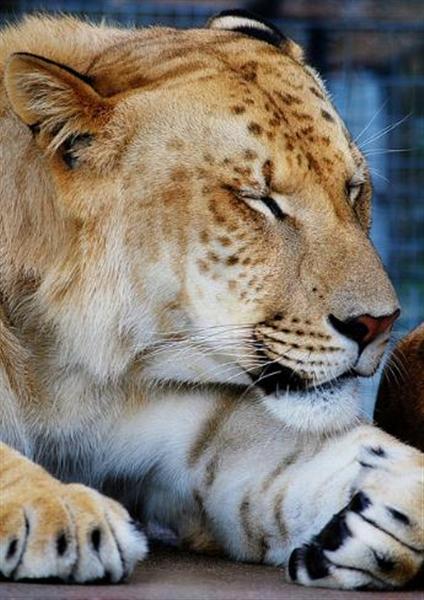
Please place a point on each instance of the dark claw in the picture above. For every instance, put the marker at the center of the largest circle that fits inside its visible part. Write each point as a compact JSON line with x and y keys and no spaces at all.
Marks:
{"x":384,"y":564}
{"x":11,"y":551}
{"x":359,"y":502}
{"x":96,"y":538}
{"x":334,"y":533}
{"x":107,"y":577}
{"x":315,"y":562}
{"x":61,"y":544}
{"x":294,"y":563}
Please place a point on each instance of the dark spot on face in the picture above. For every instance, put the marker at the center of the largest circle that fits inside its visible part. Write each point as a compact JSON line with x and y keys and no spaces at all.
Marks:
{"x":209,"y":159}
{"x":203,"y":266}
{"x":224,"y":240}
{"x":238,"y":109}
{"x":307,"y":130}
{"x":213,"y":257}
{"x":246,"y":261}
{"x":250,"y":154}
{"x":218,"y":219}
{"x":204,"y":237}
{"x":243,"y":170}
{"x":267,"y":170}
{"x":316,"y":92}
{"x":232,"y":260}
{"x":327,"y":116}
{"x":289,"y":99}
{"x":249,"y":70}
{"x":180,"y":175}
{"x":300,"y":116}
{"x":254,"y":128}
{"x":313,"y":164}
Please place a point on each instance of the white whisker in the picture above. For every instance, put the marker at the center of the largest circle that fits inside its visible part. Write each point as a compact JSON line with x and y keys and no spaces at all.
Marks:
{"x":384,"y":131}
{"x":370,"y":122}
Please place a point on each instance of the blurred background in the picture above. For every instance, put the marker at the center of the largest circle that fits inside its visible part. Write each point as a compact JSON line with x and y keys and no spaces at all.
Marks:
{"x":371,"y":53}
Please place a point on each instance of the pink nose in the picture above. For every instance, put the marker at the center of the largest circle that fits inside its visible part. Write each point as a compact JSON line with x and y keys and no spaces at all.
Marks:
{"x":365,"y":328}
{"x":374,"y":326}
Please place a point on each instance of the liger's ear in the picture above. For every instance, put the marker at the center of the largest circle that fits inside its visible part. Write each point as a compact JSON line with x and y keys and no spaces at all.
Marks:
{"x":53,"y":99}
{"x":251,"y":25}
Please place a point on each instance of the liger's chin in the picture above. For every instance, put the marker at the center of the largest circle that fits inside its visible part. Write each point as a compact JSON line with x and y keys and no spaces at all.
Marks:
{"x":331,"y":407}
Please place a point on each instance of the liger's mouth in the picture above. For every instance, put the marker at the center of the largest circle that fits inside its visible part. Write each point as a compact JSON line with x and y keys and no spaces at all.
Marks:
{"x":275,"y":378}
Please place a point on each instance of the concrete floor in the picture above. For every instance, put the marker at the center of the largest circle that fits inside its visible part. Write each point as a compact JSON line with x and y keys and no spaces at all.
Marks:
{"x":172,"y":575}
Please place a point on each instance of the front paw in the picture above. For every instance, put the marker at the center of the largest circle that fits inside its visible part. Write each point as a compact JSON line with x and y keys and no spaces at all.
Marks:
{"x":377,"y":541}
{"x":48,"y":529}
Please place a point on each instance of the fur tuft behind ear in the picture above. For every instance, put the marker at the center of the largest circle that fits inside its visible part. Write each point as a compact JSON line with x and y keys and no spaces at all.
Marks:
{"x":52,"y":99}
{"x":251,"y":25}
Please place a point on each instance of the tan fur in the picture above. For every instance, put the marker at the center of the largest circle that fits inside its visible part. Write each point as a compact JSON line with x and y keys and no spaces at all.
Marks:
{"x":136,"y":249}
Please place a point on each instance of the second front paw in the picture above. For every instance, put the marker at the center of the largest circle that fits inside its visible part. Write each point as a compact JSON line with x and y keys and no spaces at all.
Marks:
{"x":377,"y":541}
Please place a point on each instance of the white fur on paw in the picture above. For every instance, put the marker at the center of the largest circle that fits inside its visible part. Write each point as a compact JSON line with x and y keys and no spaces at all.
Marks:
{"x":377,"y":541}
{"x":67,"y":531}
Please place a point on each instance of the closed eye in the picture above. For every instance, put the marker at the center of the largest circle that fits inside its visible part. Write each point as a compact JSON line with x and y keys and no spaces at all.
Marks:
{"x":263,"y":204}
{"x":353,"y":191}
{"x":273,"y":207}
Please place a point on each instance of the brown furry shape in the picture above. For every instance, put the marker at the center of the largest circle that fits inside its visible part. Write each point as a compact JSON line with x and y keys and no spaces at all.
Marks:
{"x":400,"y":404}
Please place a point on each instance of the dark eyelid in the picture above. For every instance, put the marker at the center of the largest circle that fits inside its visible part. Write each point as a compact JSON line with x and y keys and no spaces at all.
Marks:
{"x":273,"y":207}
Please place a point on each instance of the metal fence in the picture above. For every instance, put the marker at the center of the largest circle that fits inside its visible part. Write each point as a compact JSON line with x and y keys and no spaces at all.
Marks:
{"x":373,"y":63}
